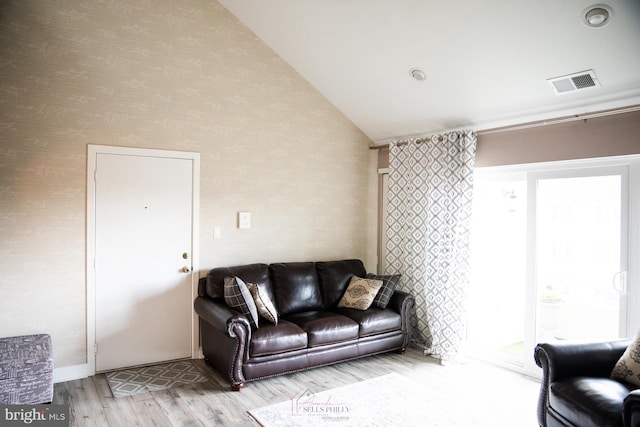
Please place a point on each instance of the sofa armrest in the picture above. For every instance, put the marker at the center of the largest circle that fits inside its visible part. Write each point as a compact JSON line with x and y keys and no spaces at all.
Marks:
{"x":225,"y":336}
{"x":219,"y":315}
{"x":565,"y":359}
{"x":631,"y":411}
{"x":402,"y":303}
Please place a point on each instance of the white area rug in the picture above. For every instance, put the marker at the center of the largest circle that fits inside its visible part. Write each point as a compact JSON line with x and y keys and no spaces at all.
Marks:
{"x":384,"y":401}
{"x":152,"y":378}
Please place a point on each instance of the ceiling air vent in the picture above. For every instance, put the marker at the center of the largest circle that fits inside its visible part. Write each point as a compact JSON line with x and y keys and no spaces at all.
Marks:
{"x":573,"y":82}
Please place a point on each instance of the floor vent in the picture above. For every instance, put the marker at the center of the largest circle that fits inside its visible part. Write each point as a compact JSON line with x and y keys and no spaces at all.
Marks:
{"x":573,"y":82}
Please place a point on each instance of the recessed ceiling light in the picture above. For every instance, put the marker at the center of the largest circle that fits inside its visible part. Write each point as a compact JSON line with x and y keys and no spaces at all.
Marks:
{"x":418,"y":74}
{"x":597,"y":16}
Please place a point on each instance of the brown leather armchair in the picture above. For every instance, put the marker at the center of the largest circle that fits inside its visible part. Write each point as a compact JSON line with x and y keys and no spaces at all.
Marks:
{"x":577,"y":390}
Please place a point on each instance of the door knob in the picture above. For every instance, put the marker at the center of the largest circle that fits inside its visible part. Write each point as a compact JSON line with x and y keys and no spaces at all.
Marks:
{"x":185,"y":269}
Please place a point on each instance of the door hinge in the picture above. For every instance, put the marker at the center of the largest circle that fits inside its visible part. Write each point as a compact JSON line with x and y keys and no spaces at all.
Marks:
{"x":95,"y":349}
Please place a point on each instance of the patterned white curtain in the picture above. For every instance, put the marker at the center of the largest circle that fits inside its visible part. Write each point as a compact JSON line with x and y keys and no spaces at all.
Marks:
{"x":429,"y":215}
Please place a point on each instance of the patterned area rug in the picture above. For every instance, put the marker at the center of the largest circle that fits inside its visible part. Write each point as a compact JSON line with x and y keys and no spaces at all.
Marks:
{"x":384,"y":401}
{"x":152,"y":378}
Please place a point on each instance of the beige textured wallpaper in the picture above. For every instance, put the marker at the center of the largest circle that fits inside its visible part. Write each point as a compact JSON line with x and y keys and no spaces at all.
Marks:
{"x":167,"y":75}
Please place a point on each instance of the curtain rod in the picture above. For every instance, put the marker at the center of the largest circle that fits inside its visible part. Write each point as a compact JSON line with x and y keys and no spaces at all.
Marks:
{"x":542,"y":123}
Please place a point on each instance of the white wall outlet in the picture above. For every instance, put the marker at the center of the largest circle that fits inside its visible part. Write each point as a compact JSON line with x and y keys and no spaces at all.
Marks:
{"x":217,"y":232}
{"x":244,"y":220}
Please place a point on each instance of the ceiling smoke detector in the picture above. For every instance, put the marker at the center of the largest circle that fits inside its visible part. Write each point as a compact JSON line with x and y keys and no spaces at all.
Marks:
{"x":573,"y":82}
{"x":597,"y":16}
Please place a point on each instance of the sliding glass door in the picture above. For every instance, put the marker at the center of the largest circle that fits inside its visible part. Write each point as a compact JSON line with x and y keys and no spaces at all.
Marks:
{"x":580,"y":268}
{"x":497,"y":293}
{"x":550,"y":258}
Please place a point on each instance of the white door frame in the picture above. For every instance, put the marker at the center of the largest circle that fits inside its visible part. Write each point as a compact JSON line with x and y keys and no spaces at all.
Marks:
{"x":383,"y":192}
{"x":92,"y":154}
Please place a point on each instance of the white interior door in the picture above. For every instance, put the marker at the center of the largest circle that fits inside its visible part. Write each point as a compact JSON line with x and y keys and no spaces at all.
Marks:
{"x":143,"y":259}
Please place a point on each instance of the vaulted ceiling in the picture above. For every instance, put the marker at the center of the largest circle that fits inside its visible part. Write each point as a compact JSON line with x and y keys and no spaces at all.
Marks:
{"x":487,"y":62}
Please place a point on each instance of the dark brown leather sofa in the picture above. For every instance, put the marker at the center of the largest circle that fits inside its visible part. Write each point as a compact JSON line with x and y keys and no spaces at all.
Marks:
{"x":577,"y":389}
{"x":312,"y":331}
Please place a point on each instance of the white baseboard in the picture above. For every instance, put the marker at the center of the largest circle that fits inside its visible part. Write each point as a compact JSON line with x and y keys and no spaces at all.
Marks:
{"x":69,"y":373}
{"x":198,"y":354}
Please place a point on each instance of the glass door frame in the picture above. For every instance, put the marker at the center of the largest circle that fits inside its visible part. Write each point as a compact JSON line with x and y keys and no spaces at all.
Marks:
{"x":531,"y":309}
{"x":629,"y":169}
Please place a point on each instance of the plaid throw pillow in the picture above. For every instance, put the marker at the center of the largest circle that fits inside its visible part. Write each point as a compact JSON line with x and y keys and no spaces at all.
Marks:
{"x":389,"y":284}
{"x":237,"y":295}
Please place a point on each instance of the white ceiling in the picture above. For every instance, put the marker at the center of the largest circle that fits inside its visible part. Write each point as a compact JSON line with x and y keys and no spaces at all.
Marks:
{"x":487,"y":61}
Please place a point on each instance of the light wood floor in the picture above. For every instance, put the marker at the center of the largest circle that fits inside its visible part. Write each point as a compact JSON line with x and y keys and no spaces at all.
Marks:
{"x":498,"y":392}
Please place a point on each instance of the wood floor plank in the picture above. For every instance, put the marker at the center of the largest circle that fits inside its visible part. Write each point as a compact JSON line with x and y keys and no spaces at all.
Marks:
{"x":150,"y":412}
{"x":119,"y":412}
{"x":193,"y":396}
{"x":213,"y":403}
{"x":61,"y":394}
{"x":85,"y":407}
{"x":177,"y":409}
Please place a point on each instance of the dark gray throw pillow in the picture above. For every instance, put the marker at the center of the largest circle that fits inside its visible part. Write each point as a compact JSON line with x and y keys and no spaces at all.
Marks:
{"x":238,"y":296}
{"x":389,"y":284}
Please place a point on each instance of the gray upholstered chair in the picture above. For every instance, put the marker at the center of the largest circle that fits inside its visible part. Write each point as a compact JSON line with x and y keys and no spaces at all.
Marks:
{"x":26,"y":370}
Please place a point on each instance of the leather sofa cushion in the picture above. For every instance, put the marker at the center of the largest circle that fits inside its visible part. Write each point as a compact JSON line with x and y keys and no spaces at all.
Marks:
{"x":588,"y":401}
{"x":296,"y":287}
{"x":273,"y":339}
{"x":324,"y":327}
{"x":254,"y":273}
{"x":335,"y":277}
{"x":374,"y":320}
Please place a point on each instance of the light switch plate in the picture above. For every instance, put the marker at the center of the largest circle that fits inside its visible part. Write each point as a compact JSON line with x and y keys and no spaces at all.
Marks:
{"x":244,"y":220}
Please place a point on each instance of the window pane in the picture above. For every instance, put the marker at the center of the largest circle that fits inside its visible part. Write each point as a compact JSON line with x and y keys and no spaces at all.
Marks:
{"x":577,"y":257}
{"x":497,"y":284}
